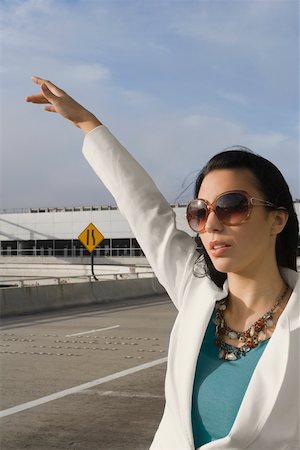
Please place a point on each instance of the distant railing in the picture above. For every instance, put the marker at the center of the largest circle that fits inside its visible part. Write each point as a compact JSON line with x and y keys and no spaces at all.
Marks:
{"x":14,"y":281}
{"x":72,"y":252}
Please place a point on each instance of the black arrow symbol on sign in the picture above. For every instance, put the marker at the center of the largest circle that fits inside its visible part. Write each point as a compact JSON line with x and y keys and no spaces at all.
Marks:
{"x":88,"y":237}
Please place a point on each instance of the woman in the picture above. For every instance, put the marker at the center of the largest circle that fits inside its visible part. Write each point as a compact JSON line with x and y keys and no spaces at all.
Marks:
{"x":232,"y":378}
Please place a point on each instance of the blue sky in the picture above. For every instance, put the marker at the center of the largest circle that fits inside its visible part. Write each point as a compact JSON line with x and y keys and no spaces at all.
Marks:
{"x":175,"y":80}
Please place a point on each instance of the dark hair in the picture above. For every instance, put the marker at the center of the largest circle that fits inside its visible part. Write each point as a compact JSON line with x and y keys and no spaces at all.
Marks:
{"x":273,"y":187}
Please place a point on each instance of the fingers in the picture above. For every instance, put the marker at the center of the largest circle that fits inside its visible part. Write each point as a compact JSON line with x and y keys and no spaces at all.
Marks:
{"x":50,"y":108}
{"x":38,"y":80}
{"x":36,"y":98}
{"x":48,"y":93}
{"x":51,"y":86}
{"x":46,"y":96}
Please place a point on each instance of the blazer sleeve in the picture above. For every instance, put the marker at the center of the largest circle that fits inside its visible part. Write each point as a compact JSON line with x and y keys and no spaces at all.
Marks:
{"x":170,"y":252}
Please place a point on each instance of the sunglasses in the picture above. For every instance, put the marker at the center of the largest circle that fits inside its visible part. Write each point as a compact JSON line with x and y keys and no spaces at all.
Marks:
{"x":231,"y":208}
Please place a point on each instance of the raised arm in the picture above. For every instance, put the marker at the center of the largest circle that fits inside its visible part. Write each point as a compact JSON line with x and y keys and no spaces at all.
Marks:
{"x":170,"y":252}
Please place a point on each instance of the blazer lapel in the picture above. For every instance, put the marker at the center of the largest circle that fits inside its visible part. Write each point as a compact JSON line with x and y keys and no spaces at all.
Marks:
{"x":269,"y":373}
{"x":195,"y":315}
{"x":262,"y":390}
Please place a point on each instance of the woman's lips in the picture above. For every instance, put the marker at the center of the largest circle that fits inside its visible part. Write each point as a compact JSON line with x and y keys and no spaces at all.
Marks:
{"x":218,"y":248}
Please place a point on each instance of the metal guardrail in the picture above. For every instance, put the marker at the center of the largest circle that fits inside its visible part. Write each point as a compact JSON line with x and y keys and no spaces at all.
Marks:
{"x":70,"y":252}
{"x":11,"y":281}
{"x":43,"y":281}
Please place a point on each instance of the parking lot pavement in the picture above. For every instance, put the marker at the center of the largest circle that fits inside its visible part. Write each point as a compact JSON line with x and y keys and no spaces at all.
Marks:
{"x":43,"y":356}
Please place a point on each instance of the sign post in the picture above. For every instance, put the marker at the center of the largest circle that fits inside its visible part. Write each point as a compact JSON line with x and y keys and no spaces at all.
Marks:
{"x":90,"y":238}
{"x":92,"y":265}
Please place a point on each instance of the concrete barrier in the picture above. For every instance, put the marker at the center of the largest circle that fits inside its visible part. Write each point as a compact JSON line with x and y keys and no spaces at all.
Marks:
{"x":28,"y":300}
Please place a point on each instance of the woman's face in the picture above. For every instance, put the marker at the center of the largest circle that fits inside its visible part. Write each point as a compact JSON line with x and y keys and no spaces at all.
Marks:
{"x":251,"y":244}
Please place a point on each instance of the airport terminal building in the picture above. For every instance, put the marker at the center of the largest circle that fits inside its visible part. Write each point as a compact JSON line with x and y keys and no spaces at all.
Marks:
{"x":54,"y":231}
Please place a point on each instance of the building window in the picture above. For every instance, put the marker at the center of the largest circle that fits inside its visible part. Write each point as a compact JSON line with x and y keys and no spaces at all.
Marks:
{"x":79,"y":249}
{"x":136,"y":249}
{"x":45,"y":247}
{"x":9,"y":248}
{"x":63,"y":247}
{"x":120,"y":247}
{"x":70,"y":248}
{"x":26,"y":248}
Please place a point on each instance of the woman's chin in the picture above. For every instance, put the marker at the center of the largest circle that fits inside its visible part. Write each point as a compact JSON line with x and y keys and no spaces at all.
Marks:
{"x":223,"y":265}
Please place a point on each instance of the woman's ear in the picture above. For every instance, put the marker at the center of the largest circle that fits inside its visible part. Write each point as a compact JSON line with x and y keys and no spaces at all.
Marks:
{"x":280,"y":218}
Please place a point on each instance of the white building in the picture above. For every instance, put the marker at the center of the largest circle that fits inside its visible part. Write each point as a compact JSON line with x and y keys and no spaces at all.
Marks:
{"x":55,"y":231}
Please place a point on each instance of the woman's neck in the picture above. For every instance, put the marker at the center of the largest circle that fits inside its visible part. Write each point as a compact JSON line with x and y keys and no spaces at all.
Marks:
{"x":253,"y":294}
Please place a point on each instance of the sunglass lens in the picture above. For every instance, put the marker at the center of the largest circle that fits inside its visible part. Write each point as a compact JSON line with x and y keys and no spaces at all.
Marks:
{"x":196,"y":215}
{"x":232,"y":208}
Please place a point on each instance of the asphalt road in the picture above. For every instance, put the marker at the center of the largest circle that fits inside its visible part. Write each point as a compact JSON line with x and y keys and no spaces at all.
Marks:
{"x":43,"y":356}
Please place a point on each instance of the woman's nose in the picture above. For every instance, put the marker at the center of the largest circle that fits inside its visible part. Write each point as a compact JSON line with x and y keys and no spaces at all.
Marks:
{"x":213,"y":223}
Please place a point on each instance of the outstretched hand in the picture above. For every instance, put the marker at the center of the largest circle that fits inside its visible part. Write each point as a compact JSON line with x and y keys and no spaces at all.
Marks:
{"x":57,"y":100}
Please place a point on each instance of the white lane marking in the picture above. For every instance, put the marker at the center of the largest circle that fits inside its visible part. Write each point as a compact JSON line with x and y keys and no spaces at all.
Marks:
{"x":121,"y":394}
{"x":81,"y":387}
{"x":92,"y":331}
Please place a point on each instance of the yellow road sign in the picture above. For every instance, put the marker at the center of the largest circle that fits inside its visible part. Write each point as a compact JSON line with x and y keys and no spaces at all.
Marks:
{"x":91,"y":237}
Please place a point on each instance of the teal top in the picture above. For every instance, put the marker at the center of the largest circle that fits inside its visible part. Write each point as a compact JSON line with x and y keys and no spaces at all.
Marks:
{"x":219,"y":388}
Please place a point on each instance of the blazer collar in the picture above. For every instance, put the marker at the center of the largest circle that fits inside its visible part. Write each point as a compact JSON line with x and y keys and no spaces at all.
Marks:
{"x":292,"y":309}
{"x":193,"y":319}
{"x":262,"y":391}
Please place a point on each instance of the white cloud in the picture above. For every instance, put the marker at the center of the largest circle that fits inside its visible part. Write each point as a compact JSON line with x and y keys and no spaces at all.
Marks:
{"x":171,"y":147}
{"x":140,"y":100}
{"x":234,"y":97}
{"x":247,"y":25}
{"x":21,"y":10}
{"x":85,"y":73}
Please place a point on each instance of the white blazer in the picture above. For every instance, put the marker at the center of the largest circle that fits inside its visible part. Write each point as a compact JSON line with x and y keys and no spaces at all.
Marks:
{"x":268,"y":418}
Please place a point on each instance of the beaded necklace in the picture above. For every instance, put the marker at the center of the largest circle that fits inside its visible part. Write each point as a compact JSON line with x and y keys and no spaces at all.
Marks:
{"x":251,"y":337}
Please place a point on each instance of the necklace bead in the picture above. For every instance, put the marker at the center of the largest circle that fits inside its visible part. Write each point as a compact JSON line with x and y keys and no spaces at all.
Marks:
{"x":261,"y":336}
{"x":232,"y":335}
{"x":250,"y":337}
{"x":231,"y":356}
